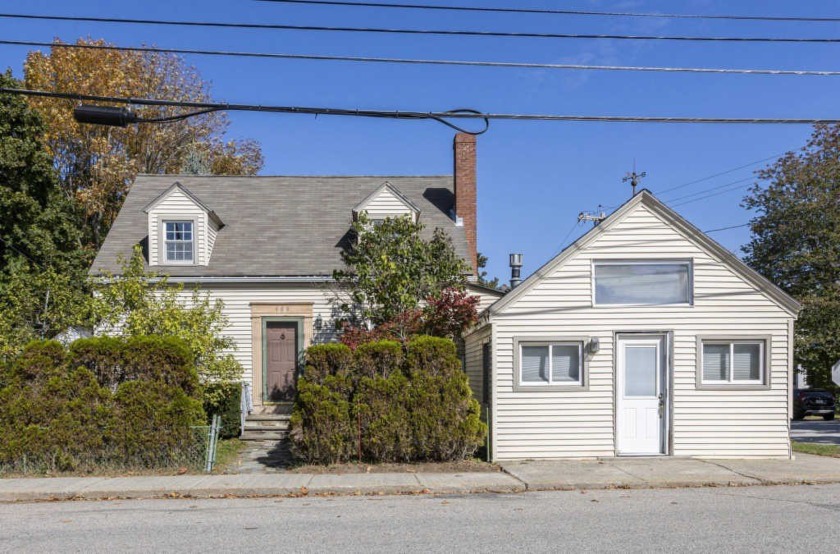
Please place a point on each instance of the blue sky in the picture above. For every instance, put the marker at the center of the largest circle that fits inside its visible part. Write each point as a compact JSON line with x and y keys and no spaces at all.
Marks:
{"x":534,"y":178}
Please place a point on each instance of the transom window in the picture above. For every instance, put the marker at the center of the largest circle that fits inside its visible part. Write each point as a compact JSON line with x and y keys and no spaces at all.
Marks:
{"x":642,"y":283}
{"x":732,"y":362}
{"x":555,"y":363}
{"x":179,"y":241}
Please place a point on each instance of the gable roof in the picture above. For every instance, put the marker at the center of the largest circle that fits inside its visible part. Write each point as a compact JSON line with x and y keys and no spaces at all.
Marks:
{"x":274,"y":226}
{"x":391,"y":188}
{"x":702,"y":240}
{"x":178,"y":186}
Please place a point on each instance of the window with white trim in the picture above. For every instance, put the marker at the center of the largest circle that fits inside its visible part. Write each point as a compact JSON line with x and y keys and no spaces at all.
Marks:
{"x":547,"y":364}
{"x":651,"y":282}
{"x":179,"y":242}
{"x":735,"y":362}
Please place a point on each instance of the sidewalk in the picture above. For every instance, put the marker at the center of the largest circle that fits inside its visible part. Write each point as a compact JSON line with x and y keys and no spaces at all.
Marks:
{"x":519,"y":477}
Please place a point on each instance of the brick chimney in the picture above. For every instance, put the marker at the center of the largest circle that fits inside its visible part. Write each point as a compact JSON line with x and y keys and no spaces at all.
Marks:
{"x":465,"y":191}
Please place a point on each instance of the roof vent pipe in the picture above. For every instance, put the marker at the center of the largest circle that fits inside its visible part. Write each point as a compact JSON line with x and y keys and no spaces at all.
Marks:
{"x":515,"y":270}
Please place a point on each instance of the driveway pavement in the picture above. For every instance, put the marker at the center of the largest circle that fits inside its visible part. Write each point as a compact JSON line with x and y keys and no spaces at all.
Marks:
{"x":819,"y":431}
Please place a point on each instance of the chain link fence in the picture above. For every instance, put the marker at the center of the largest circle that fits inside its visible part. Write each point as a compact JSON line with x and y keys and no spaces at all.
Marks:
{"x":193,"y":451}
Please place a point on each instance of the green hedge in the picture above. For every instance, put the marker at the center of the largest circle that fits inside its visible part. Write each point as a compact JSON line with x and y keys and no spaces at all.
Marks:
{"x":79,"y":410}
{"x":225,"y":400}
{"x":395,"y":404}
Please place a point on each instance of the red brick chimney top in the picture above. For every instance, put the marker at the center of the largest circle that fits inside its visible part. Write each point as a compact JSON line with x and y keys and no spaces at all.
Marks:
{"x":466,"y":191}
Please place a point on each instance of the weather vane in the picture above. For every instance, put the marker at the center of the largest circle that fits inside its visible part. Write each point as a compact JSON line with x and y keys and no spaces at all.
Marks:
{"x":634,"y":178}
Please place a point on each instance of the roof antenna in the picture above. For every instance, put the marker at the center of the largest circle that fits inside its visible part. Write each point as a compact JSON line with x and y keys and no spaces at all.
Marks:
{"x":596,"y":217}
{"x":634,"y":178}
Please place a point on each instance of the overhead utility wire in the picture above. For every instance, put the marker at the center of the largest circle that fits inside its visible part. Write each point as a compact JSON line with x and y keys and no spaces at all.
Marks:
{"x":727,"y":228}
{"x":549,"y":11}
{"x":706,"y":190}
{"x":435,"y":32}
{"x":710,"y":195}
{"x":734,"y":169}
{"x":441,"y":117}
{"x":366,"y":59}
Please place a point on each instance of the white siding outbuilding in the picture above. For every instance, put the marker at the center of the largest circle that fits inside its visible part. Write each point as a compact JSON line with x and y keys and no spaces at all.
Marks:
{"x":677,"y":349}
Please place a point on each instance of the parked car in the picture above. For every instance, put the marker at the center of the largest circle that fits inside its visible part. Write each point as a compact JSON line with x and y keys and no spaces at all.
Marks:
{"x":813,"y":402}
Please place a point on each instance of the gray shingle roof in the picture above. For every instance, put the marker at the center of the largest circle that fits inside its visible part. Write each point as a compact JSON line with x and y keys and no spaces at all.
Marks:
{"x":275,"y":226}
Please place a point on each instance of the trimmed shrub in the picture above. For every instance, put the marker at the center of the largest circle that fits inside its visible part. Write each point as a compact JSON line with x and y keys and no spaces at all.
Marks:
{"x":380,"y":406}
{"x":154,"y":423}
{"x":379,"y":358}
{"x":432,"y":355}
{"x":445,"y":418}
{"x":403,"y":407}
{"x":39,"y":360}
{"x":320,"y":428}
{"x":225,"y":399}
{"x":101,"y":355}
{"x":323,"y":360}
{"x":165,"y":359}
{"x":58,"y":414}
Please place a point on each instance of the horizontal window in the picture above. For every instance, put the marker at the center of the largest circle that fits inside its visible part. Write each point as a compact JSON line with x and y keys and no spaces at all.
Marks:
{"x":556,"y":363}
{"x":732,"y":362}
{"x":645,"y":283}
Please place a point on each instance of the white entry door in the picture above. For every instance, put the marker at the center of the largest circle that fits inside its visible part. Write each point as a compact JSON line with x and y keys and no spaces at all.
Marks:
{"x":641,"y":395}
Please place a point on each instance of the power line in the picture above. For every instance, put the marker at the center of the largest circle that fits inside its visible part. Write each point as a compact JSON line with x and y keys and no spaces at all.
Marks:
{"x":719,"y":174}
{"x":441,"y":117}
{"x":487,"y":9}
{"x":408,"y":61}
{"x":704,"y":191}
{"x":713,"y":194}
{"x":400,"y":31}
{"x":727,"y":228}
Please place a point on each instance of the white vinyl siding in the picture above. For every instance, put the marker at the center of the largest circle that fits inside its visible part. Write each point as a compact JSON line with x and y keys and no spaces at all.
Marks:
{"x":474,"y":362}
{"x":580,"y":423}
{"x":177,"y":206}
{"x":387,"y":204}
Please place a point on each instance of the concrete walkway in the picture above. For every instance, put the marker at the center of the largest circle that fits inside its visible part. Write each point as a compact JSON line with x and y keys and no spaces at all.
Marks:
{"x":519,"y":477}
{"x":672,"y":472}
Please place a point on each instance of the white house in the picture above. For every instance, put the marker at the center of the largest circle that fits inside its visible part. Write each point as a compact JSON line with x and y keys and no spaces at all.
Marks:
{"x":267,"y":247}
{"x":644,"y":337}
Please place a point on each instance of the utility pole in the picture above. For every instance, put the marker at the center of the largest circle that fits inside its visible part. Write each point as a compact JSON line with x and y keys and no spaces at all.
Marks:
{"x":634,"y":178}
{"x":595,"y":218}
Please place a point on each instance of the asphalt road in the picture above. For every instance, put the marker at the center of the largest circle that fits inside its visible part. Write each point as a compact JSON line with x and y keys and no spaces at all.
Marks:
{"x":813,"y":430}
{"x":751,"y":519}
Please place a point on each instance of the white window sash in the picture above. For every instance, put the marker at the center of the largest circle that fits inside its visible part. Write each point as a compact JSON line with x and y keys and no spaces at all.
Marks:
{"x":730,"y":370}
{"x":550,"y":370}
{"x":190,"y":243}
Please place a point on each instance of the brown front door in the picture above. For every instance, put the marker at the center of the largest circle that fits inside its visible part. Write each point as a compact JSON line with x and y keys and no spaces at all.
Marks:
{"x":280,"y":361}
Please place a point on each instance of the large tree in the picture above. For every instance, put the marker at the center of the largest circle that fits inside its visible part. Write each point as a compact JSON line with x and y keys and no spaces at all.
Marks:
{"x":96,"y":164}
{"x":42,"y":262}
{"x":391,"y":270}
{"x":796,"y":243}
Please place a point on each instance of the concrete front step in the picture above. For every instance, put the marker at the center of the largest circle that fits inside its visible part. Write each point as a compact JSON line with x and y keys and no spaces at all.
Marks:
{"x":263,"y":435}
{"x":268,"y":417}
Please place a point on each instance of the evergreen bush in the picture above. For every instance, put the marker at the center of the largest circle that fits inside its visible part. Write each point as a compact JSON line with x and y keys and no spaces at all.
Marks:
{"x":321,"y":429}
{"x":323,"y":360}
{"x":58,"y":412}
{"x":402,"y":407}
{"x":225,"y":400}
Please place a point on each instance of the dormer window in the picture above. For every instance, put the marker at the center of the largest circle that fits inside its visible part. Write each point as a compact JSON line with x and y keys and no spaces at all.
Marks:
{"x":179,"y":241}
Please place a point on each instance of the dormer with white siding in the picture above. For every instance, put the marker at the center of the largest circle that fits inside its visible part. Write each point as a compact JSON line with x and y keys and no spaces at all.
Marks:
{"x":182,"y":229}
{"x":386,"y":202}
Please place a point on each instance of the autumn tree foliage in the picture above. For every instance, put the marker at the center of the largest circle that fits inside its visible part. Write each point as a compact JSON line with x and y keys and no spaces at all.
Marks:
{"x":97,"y":165}
{"x":796,"y":243}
